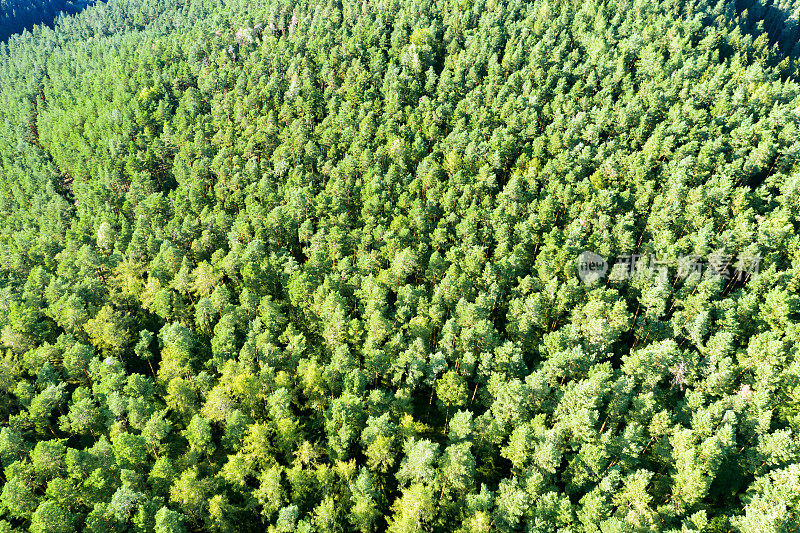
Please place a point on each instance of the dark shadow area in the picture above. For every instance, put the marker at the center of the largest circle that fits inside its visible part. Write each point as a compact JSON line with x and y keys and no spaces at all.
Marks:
{"x":778,"y":18}
{"x":764,"y":31}
{"x":19,"y":15}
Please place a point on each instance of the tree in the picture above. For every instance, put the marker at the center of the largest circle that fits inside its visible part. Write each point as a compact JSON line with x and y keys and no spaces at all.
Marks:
{"x":18,"y":498}
{"x":412,"y":511}
{"x":199,"y":435}
{"x":48,"y":458}
{"x":50,"y":516}
{"x":124,"y":502}
{"x":109,"y":331}
{"x":130,"y":450}
{"x":365,"y":510}
{"x":451,"y":389}
{"x":418,"y":465}
{"x":169,"y":521}
{"x":191,"y":491}
{"x":457,"y":468}
{"x":379,"y":438}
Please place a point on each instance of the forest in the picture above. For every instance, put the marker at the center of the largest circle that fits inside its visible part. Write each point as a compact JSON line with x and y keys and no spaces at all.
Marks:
{"x":400,"y":265}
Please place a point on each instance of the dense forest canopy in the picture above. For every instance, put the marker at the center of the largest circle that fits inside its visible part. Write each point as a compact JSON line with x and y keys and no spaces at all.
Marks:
{"x":313,"y":266}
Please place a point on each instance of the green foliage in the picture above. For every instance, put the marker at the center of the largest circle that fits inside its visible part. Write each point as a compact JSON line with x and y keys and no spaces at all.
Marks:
{"x":311,"y":266}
